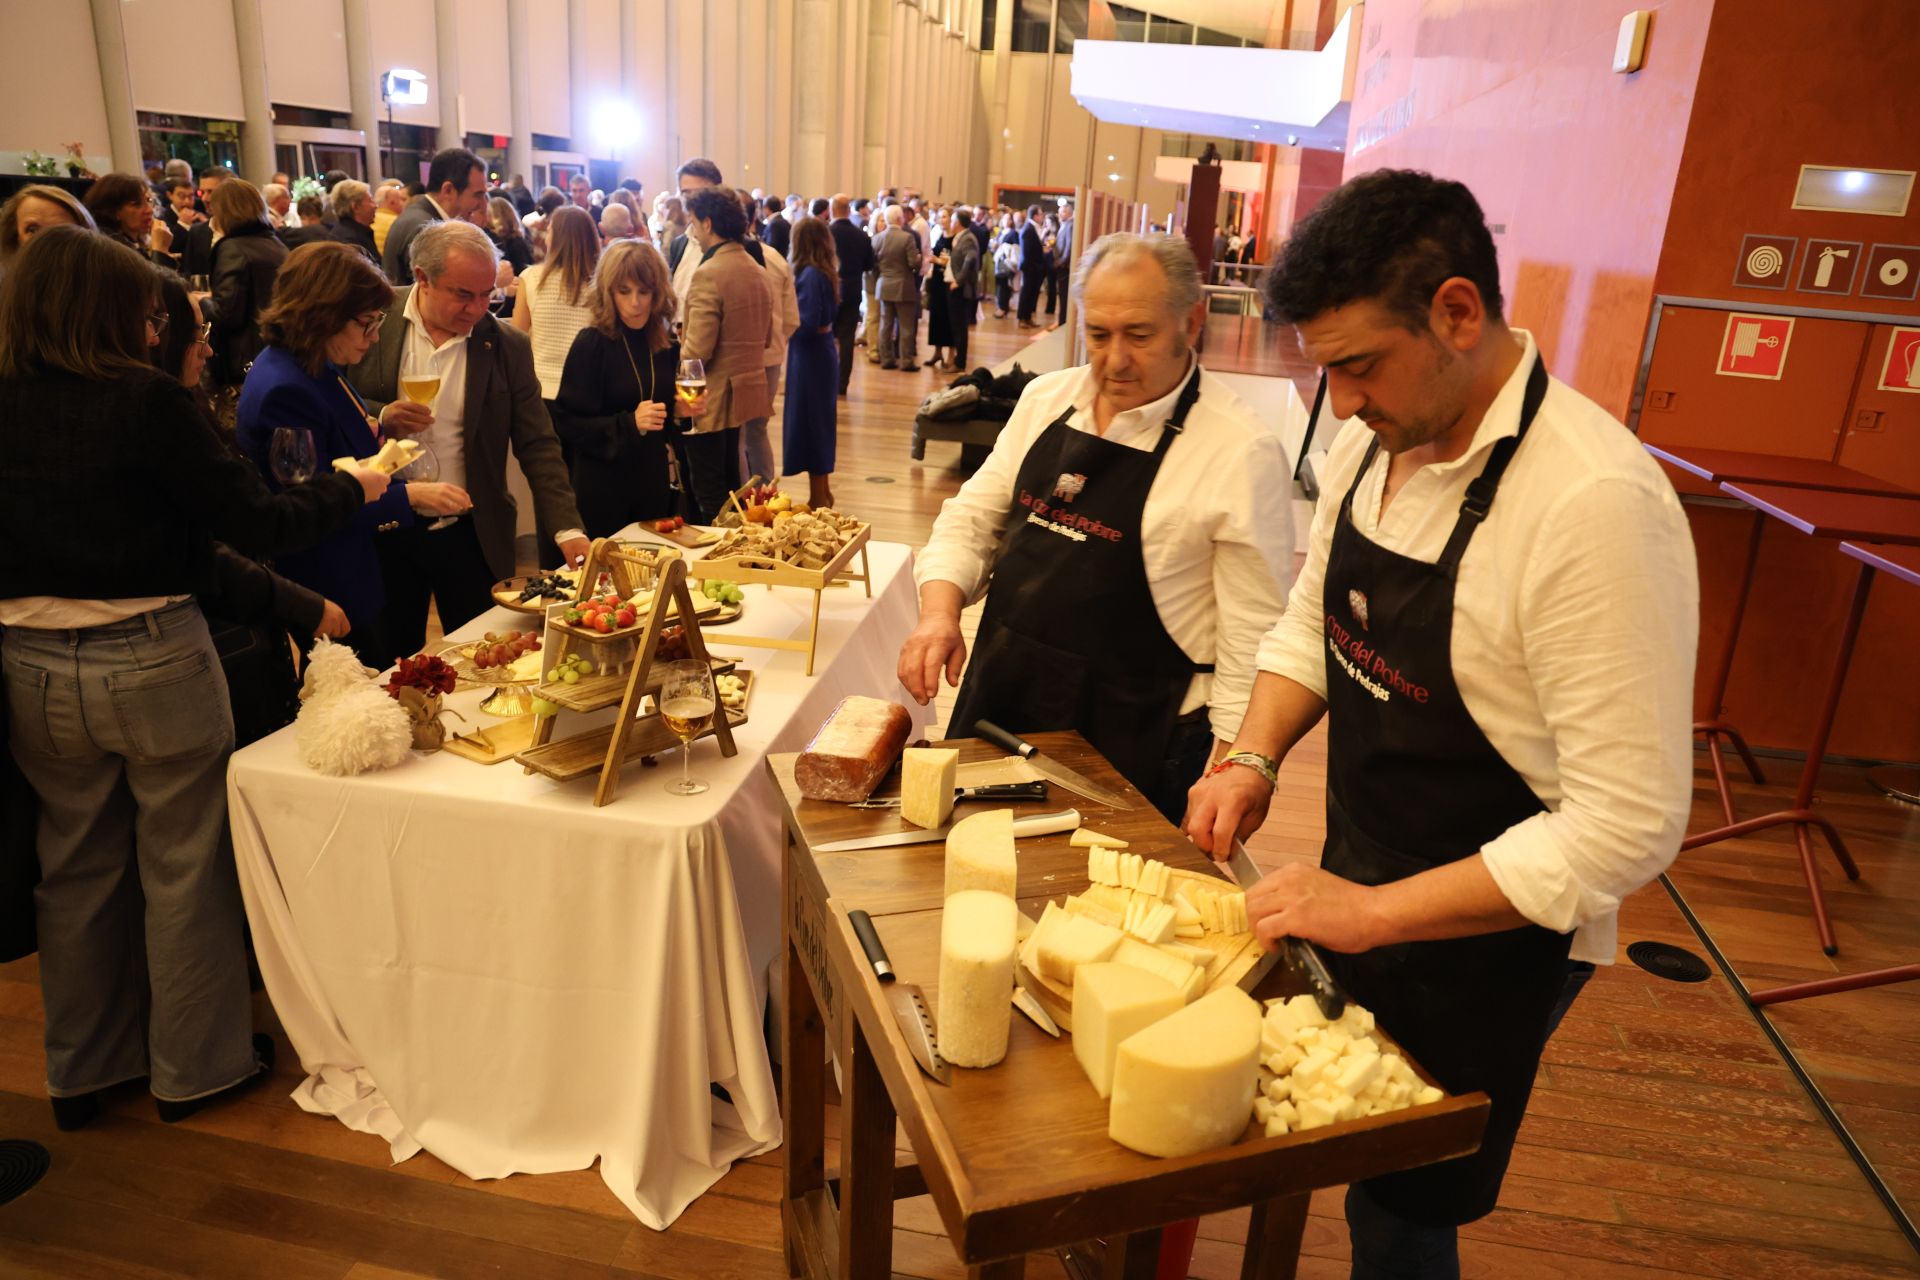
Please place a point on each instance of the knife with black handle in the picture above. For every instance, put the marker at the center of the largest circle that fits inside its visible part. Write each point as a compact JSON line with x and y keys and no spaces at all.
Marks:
{"x":904,"y":1001}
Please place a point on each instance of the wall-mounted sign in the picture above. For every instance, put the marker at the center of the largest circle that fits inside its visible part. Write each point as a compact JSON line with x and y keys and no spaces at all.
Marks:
{"x":1755,"y":346}
{"x":1829,"y":266}
{"x":1893,"y":272}
{"x":1901,"y":369}
{"x":1766,"y":262}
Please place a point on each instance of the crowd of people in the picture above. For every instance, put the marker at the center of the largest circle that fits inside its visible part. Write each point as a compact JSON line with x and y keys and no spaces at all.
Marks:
{"x":212,"y":360}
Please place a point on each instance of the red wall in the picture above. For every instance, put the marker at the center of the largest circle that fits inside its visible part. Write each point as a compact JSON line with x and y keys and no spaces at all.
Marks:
{"x":1574,"y":164}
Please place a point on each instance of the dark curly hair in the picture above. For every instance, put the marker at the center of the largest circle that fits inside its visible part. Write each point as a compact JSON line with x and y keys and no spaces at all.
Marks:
{"x":721,"y":207}
{"x":1393,"y":236}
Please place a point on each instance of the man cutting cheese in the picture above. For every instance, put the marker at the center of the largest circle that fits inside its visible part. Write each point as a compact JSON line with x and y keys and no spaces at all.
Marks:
{"x":1130,"y":531}
{"x":1497,"y":615}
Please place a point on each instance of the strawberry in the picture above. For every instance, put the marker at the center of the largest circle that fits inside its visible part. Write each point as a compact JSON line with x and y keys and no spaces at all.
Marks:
{"x":624,"y":617}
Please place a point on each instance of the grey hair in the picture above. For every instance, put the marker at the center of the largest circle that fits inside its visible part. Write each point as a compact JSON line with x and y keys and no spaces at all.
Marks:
{"x":1173,"y":253}
{"x":344,"y":195}
{"x":436,"y":241}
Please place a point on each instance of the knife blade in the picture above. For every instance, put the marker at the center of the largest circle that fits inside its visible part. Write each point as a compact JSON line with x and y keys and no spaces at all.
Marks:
{"x":904,"y":1001}
{"x":1036,"y":824}
{"x":1025,"y":1001}
{"x":1052,"y":769}
{"x":1008,"y":791}
{"x":1303,"y":955}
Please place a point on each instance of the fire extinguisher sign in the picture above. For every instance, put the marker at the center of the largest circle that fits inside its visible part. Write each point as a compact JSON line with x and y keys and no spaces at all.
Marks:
{"x":1755,"y":346}
{"x":1901,"y":370}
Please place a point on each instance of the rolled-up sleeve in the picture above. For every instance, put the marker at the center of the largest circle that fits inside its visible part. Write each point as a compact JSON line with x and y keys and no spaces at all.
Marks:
{"x":1609,"y":618}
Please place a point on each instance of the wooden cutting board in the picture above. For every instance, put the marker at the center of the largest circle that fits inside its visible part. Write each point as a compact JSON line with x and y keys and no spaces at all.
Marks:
{"x":495,"y":742}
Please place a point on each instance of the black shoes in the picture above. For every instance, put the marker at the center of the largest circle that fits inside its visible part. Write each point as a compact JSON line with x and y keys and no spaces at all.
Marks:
{"x":74,"y":1112}
{"x":263,"y":1054}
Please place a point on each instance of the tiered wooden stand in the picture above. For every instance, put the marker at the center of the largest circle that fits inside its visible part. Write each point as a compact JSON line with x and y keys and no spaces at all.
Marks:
{"x":631,"y":733}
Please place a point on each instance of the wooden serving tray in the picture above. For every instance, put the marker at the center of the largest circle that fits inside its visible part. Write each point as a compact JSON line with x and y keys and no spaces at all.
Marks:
{"x":778,"y":573}
{"x":493,"y":743}
{"x":585,"y":753}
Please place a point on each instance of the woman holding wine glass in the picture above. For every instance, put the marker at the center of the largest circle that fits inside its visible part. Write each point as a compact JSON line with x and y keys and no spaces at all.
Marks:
{"x":327,"y":308}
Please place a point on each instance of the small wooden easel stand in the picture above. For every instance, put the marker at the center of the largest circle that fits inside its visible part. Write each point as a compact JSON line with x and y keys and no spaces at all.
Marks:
{"x":631,"y":734}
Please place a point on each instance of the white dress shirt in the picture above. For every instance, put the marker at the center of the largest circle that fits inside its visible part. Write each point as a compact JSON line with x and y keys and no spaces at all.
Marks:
{"x":1216,"y":534}
{"x":1575,"y":618}
{"x":420,"y":358}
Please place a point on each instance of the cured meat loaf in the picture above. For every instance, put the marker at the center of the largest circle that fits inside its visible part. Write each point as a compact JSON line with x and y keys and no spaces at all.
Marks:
{"x":853,"y":750}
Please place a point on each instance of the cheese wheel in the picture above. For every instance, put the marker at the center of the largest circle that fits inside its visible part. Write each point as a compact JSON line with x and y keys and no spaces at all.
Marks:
{"x":976,"y":978}
{"x":853,"y":750}
{"x":927,"y":779}
{"x":1186,"y":1083}
{"x":1110,"y":1003}
{"x":980,"y":853}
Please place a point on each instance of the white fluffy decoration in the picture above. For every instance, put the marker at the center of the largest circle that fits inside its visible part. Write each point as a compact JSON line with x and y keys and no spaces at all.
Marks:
{"x":348,"y":724}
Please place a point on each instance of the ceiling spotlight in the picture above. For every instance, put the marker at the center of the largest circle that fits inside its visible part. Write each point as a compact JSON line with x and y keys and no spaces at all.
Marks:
{"x":1113,"y":177}
{"x":1293,"y":139}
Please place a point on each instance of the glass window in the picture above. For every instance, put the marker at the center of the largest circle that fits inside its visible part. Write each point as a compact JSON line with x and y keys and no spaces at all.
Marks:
{"x":1217,"y":38}
{"x":1162,"y":31}
{"x":1129,"y":24}
{"x":988,"y":10}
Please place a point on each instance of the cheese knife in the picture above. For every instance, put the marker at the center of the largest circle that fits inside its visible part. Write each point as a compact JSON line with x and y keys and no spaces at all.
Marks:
{"x":1009,"y":791}
{"x":1036,"y":824}
{"x":1055,"y":772}
{"x":1025,"y":1002}
{"x":904,"y":1001}
{"x":1303,"y":954}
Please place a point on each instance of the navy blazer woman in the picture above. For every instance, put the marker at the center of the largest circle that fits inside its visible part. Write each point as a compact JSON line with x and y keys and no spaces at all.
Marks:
{"x":345,"y":567}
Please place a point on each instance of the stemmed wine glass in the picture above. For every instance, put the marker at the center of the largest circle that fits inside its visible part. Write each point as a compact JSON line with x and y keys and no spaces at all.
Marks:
{"x":691,"y":381}
{"x":424,"y":469}
{"x":687,"y":704}
{"x":291,"y":455}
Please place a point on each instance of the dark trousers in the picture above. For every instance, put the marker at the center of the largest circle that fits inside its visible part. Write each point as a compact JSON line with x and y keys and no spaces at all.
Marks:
{"x":546,"y":550}
{"x":960,"y":321}
{"x":709,"y":469}
{"x":1057,"y":293}
{"x":1389,"y":1247}
{"x":1030,"y":282}
{"x":1003,"y":291}
{"x":846,"y":323}
{"x":1186,"y":759}
{"x":442,"y":567}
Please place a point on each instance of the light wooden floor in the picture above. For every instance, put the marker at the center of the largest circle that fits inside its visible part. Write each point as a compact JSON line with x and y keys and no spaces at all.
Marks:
{"x":1666,"y":1137}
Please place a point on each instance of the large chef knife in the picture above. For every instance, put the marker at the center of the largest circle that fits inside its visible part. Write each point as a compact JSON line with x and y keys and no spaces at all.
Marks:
{"x":1051,"y":769}
{"x":1011,"y":792}
{"x":1037,"y":824}
{"x":1305,"y":957}
{"x":908,"y":1006}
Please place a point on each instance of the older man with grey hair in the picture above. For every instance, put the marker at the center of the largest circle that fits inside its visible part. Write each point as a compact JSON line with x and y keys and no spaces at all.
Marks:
{"x":353,"y":214}
{"x":896,"y":256}
{"x":477,"y":394}
{"x":1131,"y":532}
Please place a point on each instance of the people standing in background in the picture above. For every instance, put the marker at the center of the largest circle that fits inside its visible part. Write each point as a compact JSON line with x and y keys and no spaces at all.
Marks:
{"x":180,"y":213}
{"x":1006,"y":263}
{"x":246,"y":258}
{"x":517,"y":192}
{"x":1035,"y":267}
{"x":389,"y":200}
{"x":729,"y":326}
{"x":939,"y":314}
{"x":963,"y":294}
{"x":615,"y":406}
{"x":811,"y":415}
{"x":1062,"y":263}
{"x":853,"y":250}
{"x":876,"y":228}
{"x":819,"y":207}
{"x":509,"y":237}
{"x":898,"y":256}
{"x":756,"y":450}
{"x":456,"y":188}
{"x":122,"y":207}
{"x":555,"y":303}
{"x":580,"y":190}
{"x":31,"y":210}
{"x":776,"y":231}
{"x":983,"y":231}
{"x":280,"y":213}
{"x":353,"y":216}
{"x":695,"y":175}
{"x":616,"y":223}
{"x":311,"y":227}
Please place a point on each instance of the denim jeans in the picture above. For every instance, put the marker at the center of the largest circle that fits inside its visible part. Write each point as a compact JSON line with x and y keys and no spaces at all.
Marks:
{"x":123,"y":731}
{"x":1389,"y":1247}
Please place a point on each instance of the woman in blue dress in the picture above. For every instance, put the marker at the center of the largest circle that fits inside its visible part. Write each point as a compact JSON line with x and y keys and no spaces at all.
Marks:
{"x":328,"y":304}
{"x":813,"y":363}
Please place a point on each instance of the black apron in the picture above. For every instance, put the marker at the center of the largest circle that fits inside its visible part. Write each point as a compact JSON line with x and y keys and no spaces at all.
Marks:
{"x":1071,"y":638}
{"x":1412,"y":783}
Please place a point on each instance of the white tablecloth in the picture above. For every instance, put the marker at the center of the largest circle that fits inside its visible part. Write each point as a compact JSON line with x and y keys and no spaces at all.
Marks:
{"x":476,"y":961}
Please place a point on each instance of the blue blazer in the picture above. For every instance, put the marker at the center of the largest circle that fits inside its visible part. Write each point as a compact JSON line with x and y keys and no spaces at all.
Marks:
{"x":344,"y":568}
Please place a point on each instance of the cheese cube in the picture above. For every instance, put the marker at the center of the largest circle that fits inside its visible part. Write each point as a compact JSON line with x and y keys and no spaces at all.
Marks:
{"x":1346,"y":1107}
{"x":1110,"y":1003}
{"x":1357,"y":1020}
{"x":1315,"y":1113}
{"x":1280,"y":1088}
{"x":1426,"y":1095}
{"x":1305,"y":1011}
{"x":1083,"y":838}
{"x":980,"y":853}
{"x":1075,"y":941}
{"x":927,"y":779}
{"x":976,"y":977}
{"x":1262,"y":1111}
{"x":1356,"y":1073}
{"x":1306,"y":1073}
{"x":1186,"y":1083}
{"x":1284,"y":1060}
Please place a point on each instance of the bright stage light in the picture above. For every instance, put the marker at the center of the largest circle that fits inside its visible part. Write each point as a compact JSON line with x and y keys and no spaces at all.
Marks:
{"x":616,"y":123}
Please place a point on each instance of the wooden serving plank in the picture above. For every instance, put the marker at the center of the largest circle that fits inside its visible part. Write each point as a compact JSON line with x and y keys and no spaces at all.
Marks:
{"x":585,"y":754}
{"x":495,"y":742}
{"x":778,"y":573}
{"x":591,"y":693}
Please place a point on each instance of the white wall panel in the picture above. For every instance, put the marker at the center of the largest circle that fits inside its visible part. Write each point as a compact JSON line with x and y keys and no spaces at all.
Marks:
{"x":599,"y":76}
{"x":483,"y":66}
{"x":752,"y":124}
{"x":307,"y":54}
{"x":403,"y":36}
{"x":654,"y":160}
{"x":53,"y":97}
{"x":551,"y":80}
{"x":182,"y":56}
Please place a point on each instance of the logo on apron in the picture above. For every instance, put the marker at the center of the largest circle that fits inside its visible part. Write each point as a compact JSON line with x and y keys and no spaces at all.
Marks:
{"x":1357,"y":601}
{"x":1068,"y":485}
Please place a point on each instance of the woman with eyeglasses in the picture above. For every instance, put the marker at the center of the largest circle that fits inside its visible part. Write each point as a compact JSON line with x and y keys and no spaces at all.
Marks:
{"x":327,"y":309}
{"x":117,"y":714}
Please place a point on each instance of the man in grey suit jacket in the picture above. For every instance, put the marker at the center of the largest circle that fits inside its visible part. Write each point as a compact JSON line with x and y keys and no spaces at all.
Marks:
{"x":488,"y":398}
{"x":456,"y":186}
{"x":897,"y":252}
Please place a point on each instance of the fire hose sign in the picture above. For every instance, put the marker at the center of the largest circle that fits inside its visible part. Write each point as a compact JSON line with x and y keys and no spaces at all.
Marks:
{"x":1755,"y":346}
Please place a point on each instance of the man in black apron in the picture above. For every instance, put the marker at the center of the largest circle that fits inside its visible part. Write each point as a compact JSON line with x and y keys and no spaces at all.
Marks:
{"x":1072,"y":636}
{"x":1393,"y":287}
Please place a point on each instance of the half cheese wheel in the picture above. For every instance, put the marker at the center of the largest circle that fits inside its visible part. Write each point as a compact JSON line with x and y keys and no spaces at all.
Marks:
{"x":1186,"y":1083}
{"x":980,"y":853}
{"x":1110,"y":1003}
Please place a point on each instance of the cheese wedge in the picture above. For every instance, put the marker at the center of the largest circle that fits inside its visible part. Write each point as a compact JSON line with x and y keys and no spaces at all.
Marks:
{"x":977,"y":930}
{"x":927,"y":780}
{"x":980,"y":853}
{"x":1083,"y":838}
{"x":395,"y":455}
{"x":1110,"y":1003}
{"x":1092,"y":911}
{"x":1152,"y":922}
{"x":1073,"y":941}
{"x":1186,"y":1083}
{"x":1186,"y":978}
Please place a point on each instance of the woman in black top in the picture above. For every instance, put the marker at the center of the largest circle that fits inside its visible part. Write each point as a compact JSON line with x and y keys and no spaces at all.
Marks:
{"x":616,"y":392}
{"x":508,"y":235}
{"x":117,"y":715}
{"x":122,"y":207}
{"x":246,"y":259}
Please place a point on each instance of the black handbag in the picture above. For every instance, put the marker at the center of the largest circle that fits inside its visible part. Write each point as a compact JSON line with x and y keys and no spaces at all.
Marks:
{"x":262,"y":684}
{"x":19,"y":857}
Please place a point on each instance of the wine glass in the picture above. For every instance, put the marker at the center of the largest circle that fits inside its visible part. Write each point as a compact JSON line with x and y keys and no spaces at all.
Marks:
{"x":691,"y":381}
{"x":425,"y":469}
{"x":686,"y":705}
{"x":421,"y":389}
{"x":199,"y":284}
{"x":291,"y":455}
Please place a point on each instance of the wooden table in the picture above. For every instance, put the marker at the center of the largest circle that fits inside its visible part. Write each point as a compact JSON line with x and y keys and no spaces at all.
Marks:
{"x":1824,"y":514}
{"x":1016,"y":1157}
{"x":1718,"y":466}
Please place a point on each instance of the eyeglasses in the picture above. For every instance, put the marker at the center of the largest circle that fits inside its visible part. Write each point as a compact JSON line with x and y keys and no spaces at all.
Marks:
{"x":372,"y":327}
{"x":158,"y":320}
{"x":203,"y":332}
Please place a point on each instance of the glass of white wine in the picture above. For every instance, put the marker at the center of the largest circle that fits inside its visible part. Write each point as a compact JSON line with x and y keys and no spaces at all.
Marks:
{"x":420,"y":390}
{"x":691,"y":381}
{"x":687,"y":704}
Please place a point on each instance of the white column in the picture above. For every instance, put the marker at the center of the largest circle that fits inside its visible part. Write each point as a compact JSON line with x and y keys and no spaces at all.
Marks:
{"x":878,"y":97}
{"x":812,"y":94}
{"x":446,"y":40}
{"x":363,"y":79}
{"x":519,"y":90}
{"x":256,"y":131}
{"x":780,"y":90}
{"x":116,"y":87}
